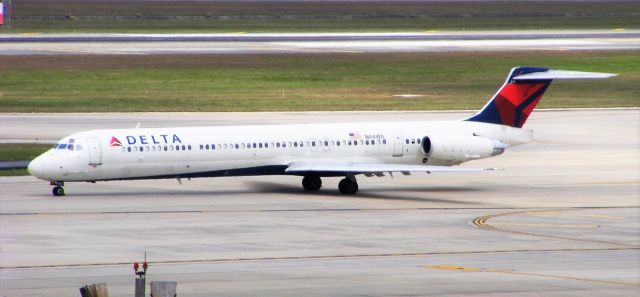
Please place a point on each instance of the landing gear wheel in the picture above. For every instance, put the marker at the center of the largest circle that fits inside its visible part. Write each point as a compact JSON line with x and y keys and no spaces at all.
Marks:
{"x":311,"y":183}
{"x":58,"y":191}
{"x":347,"y":186}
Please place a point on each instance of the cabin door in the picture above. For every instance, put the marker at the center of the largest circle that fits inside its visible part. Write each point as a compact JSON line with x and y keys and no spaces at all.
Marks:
{"x":397,"y":145}
{"x":95,"y":152}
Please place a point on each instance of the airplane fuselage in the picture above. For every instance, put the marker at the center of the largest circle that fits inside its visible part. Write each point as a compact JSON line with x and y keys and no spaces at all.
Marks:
{"x":260,"y":150}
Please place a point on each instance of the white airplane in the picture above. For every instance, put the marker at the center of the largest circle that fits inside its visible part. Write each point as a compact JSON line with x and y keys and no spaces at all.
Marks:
{"x":312,"y":151}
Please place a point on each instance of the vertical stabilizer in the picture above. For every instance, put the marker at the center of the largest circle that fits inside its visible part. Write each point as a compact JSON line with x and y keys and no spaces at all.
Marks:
{"x":521,"y":92}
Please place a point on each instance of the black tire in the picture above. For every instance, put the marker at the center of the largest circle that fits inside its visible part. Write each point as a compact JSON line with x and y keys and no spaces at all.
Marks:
{"x":347,"y":186}
{"x":58,"y":191}
{"x":311,"y":183}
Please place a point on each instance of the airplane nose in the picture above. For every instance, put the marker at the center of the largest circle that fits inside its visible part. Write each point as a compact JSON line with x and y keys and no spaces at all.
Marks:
{"x":36,"y":167}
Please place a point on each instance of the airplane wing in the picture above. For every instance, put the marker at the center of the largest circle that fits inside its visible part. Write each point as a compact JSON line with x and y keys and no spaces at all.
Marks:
{"x":370,"y":169}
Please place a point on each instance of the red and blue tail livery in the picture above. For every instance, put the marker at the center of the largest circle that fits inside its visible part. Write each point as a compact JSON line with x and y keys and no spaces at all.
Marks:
{"x":521,"y":92}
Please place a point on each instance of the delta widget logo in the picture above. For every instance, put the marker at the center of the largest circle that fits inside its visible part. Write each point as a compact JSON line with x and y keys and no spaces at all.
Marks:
{"x":115,"y":142}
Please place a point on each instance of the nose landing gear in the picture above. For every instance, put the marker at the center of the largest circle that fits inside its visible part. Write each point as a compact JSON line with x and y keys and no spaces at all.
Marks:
{"x":58,"y":190}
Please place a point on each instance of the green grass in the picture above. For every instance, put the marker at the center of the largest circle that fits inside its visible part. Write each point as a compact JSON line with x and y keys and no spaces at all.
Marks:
{"x":21,"y":151}
{"x":18,"y":152}
{"x":51,"y":16}
{"x":324,"y":25}
{"x":300,"y":82}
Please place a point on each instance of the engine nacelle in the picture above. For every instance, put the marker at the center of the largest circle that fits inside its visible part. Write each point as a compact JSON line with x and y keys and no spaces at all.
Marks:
{"x":440,"y":149}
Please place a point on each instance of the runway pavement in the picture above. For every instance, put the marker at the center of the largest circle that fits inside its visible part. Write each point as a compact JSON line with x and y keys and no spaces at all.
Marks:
{"x":260,"y":43}
{"x":562,"y":219}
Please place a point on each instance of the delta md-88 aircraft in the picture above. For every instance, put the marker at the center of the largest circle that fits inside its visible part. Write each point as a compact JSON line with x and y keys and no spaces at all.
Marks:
{"x":311,"y":151}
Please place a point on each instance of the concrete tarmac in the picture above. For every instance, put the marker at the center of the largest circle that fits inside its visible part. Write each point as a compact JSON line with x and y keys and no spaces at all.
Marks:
{"x":261,"y":43}
{"x":561,"y":219}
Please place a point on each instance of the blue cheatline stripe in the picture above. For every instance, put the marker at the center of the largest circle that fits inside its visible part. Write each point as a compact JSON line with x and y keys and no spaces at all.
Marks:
{"x":248,"y":171}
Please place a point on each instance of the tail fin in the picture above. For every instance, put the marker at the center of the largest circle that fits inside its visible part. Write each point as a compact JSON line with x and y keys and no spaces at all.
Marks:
{"x":521,"y":92}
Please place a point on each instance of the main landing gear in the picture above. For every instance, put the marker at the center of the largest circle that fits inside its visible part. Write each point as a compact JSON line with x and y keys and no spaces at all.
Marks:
{"x":58,"y":190}
{"x":348,"y":185}
{"x":311,"y":183}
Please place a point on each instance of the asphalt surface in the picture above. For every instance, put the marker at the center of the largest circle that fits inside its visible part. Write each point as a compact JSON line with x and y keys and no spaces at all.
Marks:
{"x":562,"y":219}
{"x":74,"y":44}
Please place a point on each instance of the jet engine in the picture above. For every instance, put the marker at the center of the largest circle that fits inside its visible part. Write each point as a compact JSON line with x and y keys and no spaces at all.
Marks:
{"x":440,"y":149}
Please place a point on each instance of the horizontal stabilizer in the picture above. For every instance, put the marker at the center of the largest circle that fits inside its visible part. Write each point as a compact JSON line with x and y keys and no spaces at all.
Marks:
{"x":562,"y":74}
{"x":521,"y":92}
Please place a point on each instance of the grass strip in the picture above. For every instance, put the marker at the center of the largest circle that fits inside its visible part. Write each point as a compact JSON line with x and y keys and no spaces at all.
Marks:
{"x":139,"y":16}
{"x":20,"y":151}
{"x":304,"y":82}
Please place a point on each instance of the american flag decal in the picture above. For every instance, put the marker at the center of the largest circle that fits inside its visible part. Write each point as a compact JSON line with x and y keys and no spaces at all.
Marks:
{"x":355,"y":136}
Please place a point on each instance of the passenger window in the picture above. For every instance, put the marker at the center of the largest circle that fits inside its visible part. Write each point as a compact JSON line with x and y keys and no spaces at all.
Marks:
{"x":284,"y":144}
{"x":177,"y":147}
{"x":128,"y":149}
{"x":338,"y":143}
{"x":384,"y":141}
{"x":183,"y":148}
{"x":407,"y":140}
{"x":189,"y":147}
{"x":295,"y":144}
{"x":165,"y":148}
{"x":349,"y":143}
{"x":355,"y":142}
{"x":413,"y":141}
{"x":277,"y":144}
{"x":266,"y":144}
{"x":290,"y":144}
{"x":260,"y":145}
{"x":213,"y":146}
{"x":237,"y":146}
{"x":313,"y":143}
{"x":142,"y":149}
{"x":418,"y":140}
{"x":366,"y":142}
{"x":301,"y":143}
{"x":255,"y":145}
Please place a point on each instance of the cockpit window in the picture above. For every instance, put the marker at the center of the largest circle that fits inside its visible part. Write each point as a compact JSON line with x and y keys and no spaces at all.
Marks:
{"x":69,"y":146}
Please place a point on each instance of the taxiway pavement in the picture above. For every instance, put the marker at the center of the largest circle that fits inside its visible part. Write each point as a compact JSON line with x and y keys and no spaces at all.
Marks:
{"x":562,"y":219}
{"x":73,"y":44}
